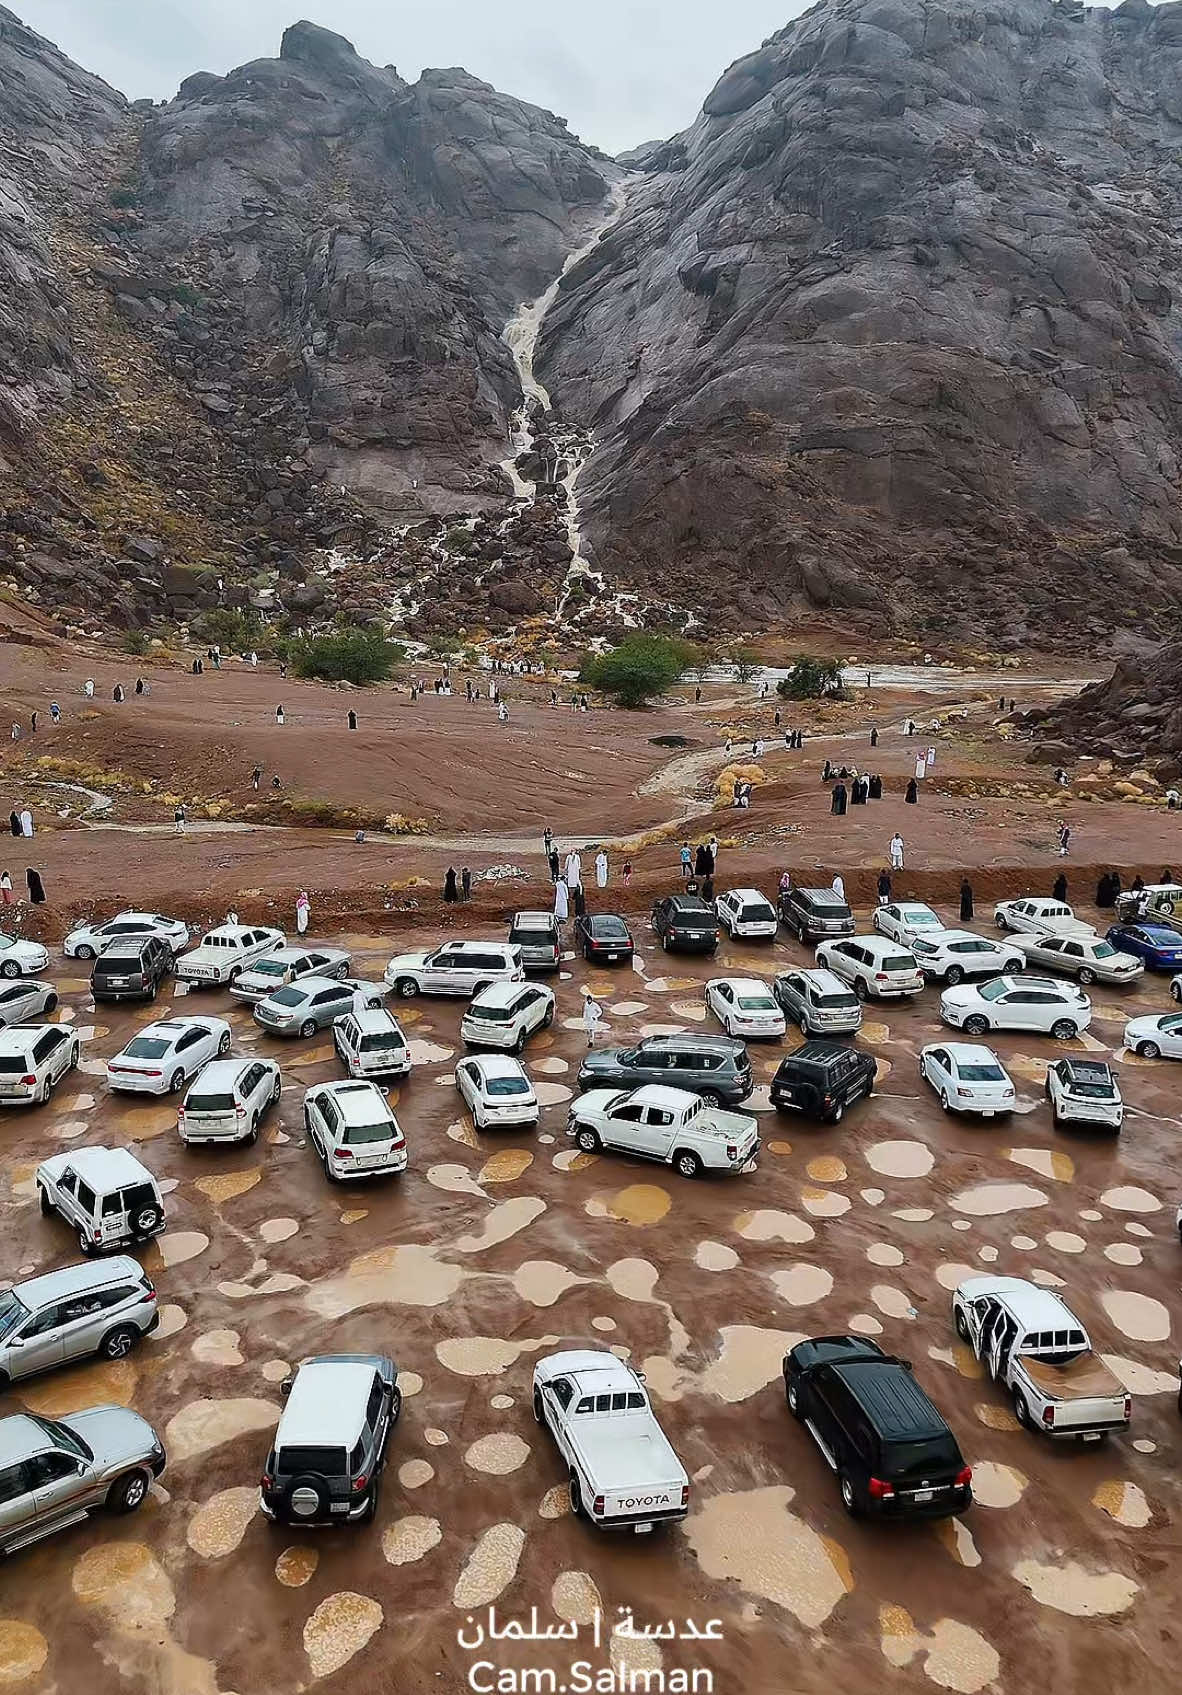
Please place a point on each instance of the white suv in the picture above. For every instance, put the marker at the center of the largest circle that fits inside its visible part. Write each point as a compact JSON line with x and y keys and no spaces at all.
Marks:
{"x":505,"y":1014}
{"x":222,"y":953}
{"x":369,"y":1042}
{"x":228,"y":1101}
{"x":353,"y":1130}
{"x":952,"y":955}
{"x":872,"y":965}
{"x":747,"y":915}
{"x":163,"y":1057}
{"x":26,"y":999}
{"x":1084,"y":1091}
{"x":105,"y":1194}
{"x":457,"y":968}
{"x":1017,"y":1003}
{"x":89,"y":940}
{"x":33,"y":1058}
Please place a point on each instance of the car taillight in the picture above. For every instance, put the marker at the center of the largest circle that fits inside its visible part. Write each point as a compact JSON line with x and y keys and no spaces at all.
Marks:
{"x":359,"y":1483}
{"x":1128,"y":1406}
{"x":268,"y":1482}
{"x":149,"y":1294}
{"x":878,"y":1490}
{"x":826,"y":1100}
{"x":597,"y":1505}
{"x":732,"y":1152}
{"x":1048,"y":1415}
{"x":29,"y":1081}
{"x":240,"y":1110}
{"x":685,"y":1494}
{"x":97,"y":1236}
{"x":964,"y":1477}
{"x":881,"y":977}
{"x":342,"y":1153}
{"x":398,"y":1141}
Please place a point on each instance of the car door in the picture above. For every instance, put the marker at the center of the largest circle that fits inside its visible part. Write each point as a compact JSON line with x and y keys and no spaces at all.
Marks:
{"x":843,"y":961}
{"x":721,"y":1001}
{"x":623,"y":1127}
{"x":979,"y":1316}
{"x":61,"y":1484}
{"x":1005,"y":1333}
{"x":654,"y":1133}
{"x":12,"y":1001}
{"x":191,"y":1049}
{"x":443,"y":976}
{"x":939,"y":1070}
{"x":326,"y":1003}
{"x":820,"y":1415}
{"x":1048,"y":952}
{"x":53,"y":1052}
{"x":254,"y":1095}
{"x":469,"y":1081}
{"x":18,"y":1502}
{"x":347,"y":1038}
{"x":1074,"y":958}
{"x":39,"y":1346}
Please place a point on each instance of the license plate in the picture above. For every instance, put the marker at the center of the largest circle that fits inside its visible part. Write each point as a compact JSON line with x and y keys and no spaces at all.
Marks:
{"x":1092,"y":1435}
{"x":987,"y":1112}
{"x":612,"y":957}
{"x":118,"y":982}
{"x":922,"y":1495}
{"x":643,"y":1529}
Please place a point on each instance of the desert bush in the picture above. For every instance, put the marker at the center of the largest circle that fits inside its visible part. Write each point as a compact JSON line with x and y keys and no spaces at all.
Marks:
{"x":812,"y":679}
{"x":346,"y":656}
{"x":639,"y":669}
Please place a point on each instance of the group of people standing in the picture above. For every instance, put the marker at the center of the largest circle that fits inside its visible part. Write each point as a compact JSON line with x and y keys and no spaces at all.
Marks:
{"x":864,"y":786}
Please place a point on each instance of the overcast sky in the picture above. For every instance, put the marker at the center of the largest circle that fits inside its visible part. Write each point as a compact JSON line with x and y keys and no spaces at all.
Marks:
{"x":620,"y":71}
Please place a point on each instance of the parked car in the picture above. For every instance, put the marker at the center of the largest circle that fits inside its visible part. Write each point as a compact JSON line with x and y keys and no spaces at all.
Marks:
{"x":99,"y":1307}
{"x":55,"y":1471}
{"x":669,"y":1125}
{"x":967,"y":1078}
{"x":538,"y":937}
{"x":87,"y":941}
{"x":1084,"y":1091}
{"x":873,"y":966}
{"x":228,"y":1101}
{"x":685,"y":924}
{"x":496,"y":1090}
{"x":746,"y":915}
{"x":167,"y":1054}
{"x":818,"y":1001}
{"x":1017,"y":1003}
{"x":33,"y":1060}
{"x":889,"y":1447}
{"x":1033,"y":1345}
{"x":821,"y":1079}
{"x":25,"y":1000}
{"x":105,"y":1194}
{"x":745,"y":1007}
{"x":225,"y":951}
{"x":353,"y":1130}
{"x":903,"y":920}
{"x":276,"y":970}
{"x":715,"y":1067}
{"x":19,"y":958}
{"x":949,"y":956}
{"x":814,"y":915}
{"x":1157,"y":1037}
{"x":505,"y":1015}
{"x":1159,"y":900}
{"x":329,"y":1451}
{"x":1157,"y":947}
{"x":621,"y":1472}
{"x":305,"y":1006}
{"x":131,"y":969}
{"x":1089,"y":959}
{"x":370,"y":1043}
{"x":604,"y":938}
{"x":457,"y":968}
{"x":1039,"y":914}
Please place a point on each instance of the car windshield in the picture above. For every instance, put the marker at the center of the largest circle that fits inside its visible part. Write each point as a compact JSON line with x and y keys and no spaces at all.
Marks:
{"x":919,"y":946}
{"x":757,"y":1003}
{"x":146,"y":1047}
{"x":531,"y":933}
{"x":321,"y":1462}
{"x":758,"y":909}
{"x":1092,"y":1091}
{"x":210,"y":1103}
{"x":506,"y":1086}
{"x":980,"y":1073}
{"x":12,"y":1312}
{"x":64,"y":1437}
{"x":992,"y":991}
{"x":692,"y":920}
{"x":609,"y":927}
{"x":1103,"y":950}
{"x":6,"y":942}
{"x":291,"y":996}
{"x":917,"y":917}
{"x":354,"y":1135}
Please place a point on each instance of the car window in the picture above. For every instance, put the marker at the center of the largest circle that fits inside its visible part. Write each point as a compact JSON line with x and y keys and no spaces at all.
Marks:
{"x":85,"y":1197}
{"x":46,"y":1320}
{"x":629,"y":1112}
{"x":563,"y":1390}
{"x":112,"y":1205}
{"x":45,"y":1045}
{"x":50,"y":1468}
{"x":373,"y":1407}
{"x":13,"y":1483}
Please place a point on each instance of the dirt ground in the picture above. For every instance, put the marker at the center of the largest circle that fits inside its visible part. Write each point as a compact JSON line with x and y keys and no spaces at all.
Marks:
{"x":494,"y":1249}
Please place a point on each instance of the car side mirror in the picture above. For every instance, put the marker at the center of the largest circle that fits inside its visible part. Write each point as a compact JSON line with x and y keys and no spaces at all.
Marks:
{"x":285,"y":1386}
{"x":907,"y":1365}
{"x":17,"y":1342}
{"x":642,"y":1377}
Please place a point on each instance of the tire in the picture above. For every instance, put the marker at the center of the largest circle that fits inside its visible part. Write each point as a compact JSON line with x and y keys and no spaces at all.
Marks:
{"x":176,"y":1082}
{"x":151,"y":995}
{"x":86,"y":1245}
{"x":277,"y":1090}
{"x":548,"y":1016}
{"x":342,"y":971}
{"x":51,"y":1003}
{"x":945,"y":1103}
{"x":575,"y":1496}
{"x":862,"y":992}
{"x":252,"y":1135}
{"x":687,"y":1163}
{"x":371,"y":1503}
{"x":147,"y":1220}
{"x":953,"y":976}
{"x":84,"y":952}
{"x":539,"y":1409}
{"x":224,"y":1044}
{"x":312,"y":1499}
{"x":588,"y":1139}
{"x":1086,"y":978}
{"x":709,"y":1098}
{"x":10,"y":968}
{"x":46,"y":1203}
{"x":1021,"y":1410}
{"x":406,"y":988}
{"x":46,"y":1091}
{"x":128,"y":1493}
{"x":519,"y":1045}
{"x":838,"y":1113}
{"x":962,"y":1326}
{"x":1176,"y":991}
{"x":1063,"y":1030}
{"x":1000,"y":921}
{"x":118,"y":1343}
{"x":1149,"y":1050}
{"x":308,"y":1028}
{"x":849,"y":1499}
{"x":976,"y":1024}
{"x":792,"y":1396}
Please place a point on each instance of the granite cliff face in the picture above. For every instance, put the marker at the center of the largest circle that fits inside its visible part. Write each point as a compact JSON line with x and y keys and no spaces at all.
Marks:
{"x":893,"y":330}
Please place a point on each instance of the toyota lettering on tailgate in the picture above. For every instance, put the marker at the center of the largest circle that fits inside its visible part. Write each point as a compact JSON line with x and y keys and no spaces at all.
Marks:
{"x":646,"y":1501}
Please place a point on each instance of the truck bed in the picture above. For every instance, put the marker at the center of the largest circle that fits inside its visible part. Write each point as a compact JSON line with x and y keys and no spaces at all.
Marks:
{"x":625,"y":1452}
{"x":1086,"y":1378}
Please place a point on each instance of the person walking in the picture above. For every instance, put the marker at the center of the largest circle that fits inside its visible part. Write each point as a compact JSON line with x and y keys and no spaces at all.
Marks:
{"x":14,"y":823}
{"x":896,"y":852}
{"x":352,"y":719}
{"x":139,"y":685}
{"x":36,"y":887}
{"x":912,"y":795}
{"x":573,"y":869}
{"x":837,"y":800}
{"x":838,"y":886}
{"x":561,"y":900}
{"x":466,"y":884}
{"x":921,"y":768}
{"x":503,"y":713}
{"x":547,"y":840}
{"x":555,"y":867}
{"x":26,"y":822}
{"x":686,"y":861}
{"x":256,"y":777}
{"x":178,"y":818}
{"x":279,"y":715}
{"x":592,"y":1014}
{"x":1064,"y":840}
{"x":276,"y":782}
{"x":33,"y":721}
{"x":874,"y":736}
{"x":450,"y":893}
{"x":303,"y":912}
{"x":55,"y":712}
{"x":88,"y":688}
{"x":627,"y":872}
{"x":884,"y":887}
{"x":601,"y":869}
{"x":117,"y":694}
{"x":966,"y":901}
{"x":5,"y":888}
{"x":16,"y":731}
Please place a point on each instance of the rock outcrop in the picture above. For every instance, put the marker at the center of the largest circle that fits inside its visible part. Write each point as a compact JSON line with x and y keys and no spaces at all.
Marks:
{"x":894,"y":332}
{"x":1133,"y":719}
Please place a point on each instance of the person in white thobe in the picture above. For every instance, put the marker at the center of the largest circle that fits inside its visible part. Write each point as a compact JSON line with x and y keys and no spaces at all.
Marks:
{"x":921,"y":768}
{"x":592,"y":1013}
{"x":573,"y":869}
{"x":601,"y":869}
{"x":303,"y":908}
{"x":561,"y":902}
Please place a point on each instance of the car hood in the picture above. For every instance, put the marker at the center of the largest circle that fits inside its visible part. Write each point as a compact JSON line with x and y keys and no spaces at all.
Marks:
{"x":113,"y":1434}
{"x":409,"y":960}
{"x":1148,"y":1026}
{"x":604,"y":1064}
{"x":964,"y":995}
{"x":595,"y":1100}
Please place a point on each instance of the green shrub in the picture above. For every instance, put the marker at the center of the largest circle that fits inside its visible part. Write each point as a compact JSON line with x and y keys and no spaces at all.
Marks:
{"x":136,"y":642}
{"x":185,"y":294}
{"x":346,"y":656}
{"x":641,"y":668}
{"x":812,"y":679}
{"x":746,"y":663}
{"x":231,"y":628}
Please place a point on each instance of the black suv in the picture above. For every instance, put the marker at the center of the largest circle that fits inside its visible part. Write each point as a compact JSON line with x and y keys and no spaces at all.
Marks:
{"x":716,"y":1067}
{"x":891,"y":1449}
{"x":604,"y":938}
{"x":821,"y":1079}
{"x":815,"y":915}
{"x":686,"y":923}
{"x":326,"y":1462}
{"x":132,"y":968}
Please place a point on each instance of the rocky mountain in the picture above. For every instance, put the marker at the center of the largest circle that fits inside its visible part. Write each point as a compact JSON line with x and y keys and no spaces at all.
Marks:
{"x":893,"y":331}
{"x":1134,"y":718}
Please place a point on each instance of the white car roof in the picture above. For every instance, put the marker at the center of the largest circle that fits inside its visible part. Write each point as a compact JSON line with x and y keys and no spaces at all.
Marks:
{"x":592,"y":1370}
{"x":376,"y":1020}
{"x":660,"y":1094}
{"x":1034,"y":1308}
{"x":969,"y":1053}
{"x":882,"y":944}
{"x":820,"y":977}
{"x":326,"y":1406}
{"x":534,"y":920}
{"x":498,"y":994}
{"x":174,"y":1028}
{"x":941,"y":937}
{"x":748,"y":894}
{"x":359,"y":1101}
{"x":499,"y":1065}
{"x":72,"y":1279}
{"x":745,"y":985}
{"x":108,"y":1168}
{"x":17,"y":1038}
{"x":223,"y":1073}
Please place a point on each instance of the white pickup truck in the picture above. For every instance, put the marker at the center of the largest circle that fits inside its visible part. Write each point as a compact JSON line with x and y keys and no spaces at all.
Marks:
{"x":222,"y":953}
{"x":670,"y":1125}
{"x":621,"y":1472}
{"x":1035,"y":1346}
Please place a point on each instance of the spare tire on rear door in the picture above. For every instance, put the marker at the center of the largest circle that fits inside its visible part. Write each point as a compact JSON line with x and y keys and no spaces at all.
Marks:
{"x":306,"y":1498}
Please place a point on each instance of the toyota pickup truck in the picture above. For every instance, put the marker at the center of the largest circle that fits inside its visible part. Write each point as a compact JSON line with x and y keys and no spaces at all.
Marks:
{"x":1034,"y":1346}
{"x":222,"y":953}
{"x":621,"y":1472}
{"x":670,"y":1125}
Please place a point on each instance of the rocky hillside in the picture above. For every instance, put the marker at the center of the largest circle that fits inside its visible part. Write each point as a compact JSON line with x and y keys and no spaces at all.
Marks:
{"x":1132,"y":719}
{"x":894,"y":330}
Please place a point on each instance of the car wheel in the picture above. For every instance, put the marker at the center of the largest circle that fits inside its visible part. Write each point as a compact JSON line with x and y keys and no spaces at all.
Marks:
{"x":976,"y":1024}
{"x":1087,"y":977}
{"x":687,"y":1163}
{"x":575,"y":1496}
{"x":85,"y":1243}
{"x":177,"y":1081}
{"x":46,"y":1091}
{"x":709,"y":1098}
{"x":224,"y":1044}
{"x":860,"y":989}
{"x":1149,"y":1050}
{"x":1063,"y":1030}
{"x":371,"y":1504}
{"x":127,"y":1493}
{"x":849,"y":1499}
{"x":117,"y":1344}
{"x":151,"y":995}
{"x":342,"y":971}
{"x":519,"y":1045}
{"x":838,"y":1113}
{"x":50,"y":1003}
{"x":539,"y":1409}
{"x":85,"y":951}
{"x":277,"y":1090}
{"x":406,"y":988}
{"x":548,"y":1016}
{"x":1176,"y":991}
{"x":308,"y":1028}
{"x":252,"y":1135}
{"x":953,"y":976}
{"x":945,"y":1103}
{"x":147,"y":1219}
{"x":46,"y":1203}
{"x":10,"y":968}
{"x":962,"y":1325}
{"x":588,"y":1139}
{"x":1000,"y":921}
{"x":1021,"y":1410}
{"x":792,"y":1396}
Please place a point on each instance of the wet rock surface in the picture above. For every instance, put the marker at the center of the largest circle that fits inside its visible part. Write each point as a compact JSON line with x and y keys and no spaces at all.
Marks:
{"x":1134,"y":719}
